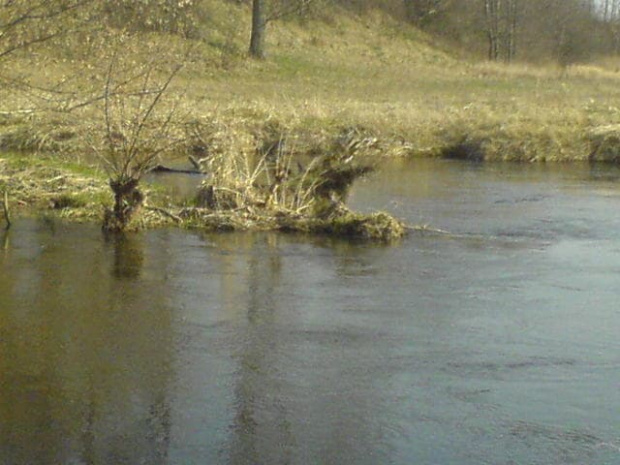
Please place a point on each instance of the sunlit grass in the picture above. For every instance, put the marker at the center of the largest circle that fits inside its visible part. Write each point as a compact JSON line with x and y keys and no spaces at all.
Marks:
{"x":368,"y":72}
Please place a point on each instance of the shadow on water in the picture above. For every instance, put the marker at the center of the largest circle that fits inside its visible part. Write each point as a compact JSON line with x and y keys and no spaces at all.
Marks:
{"x":128,"y":255}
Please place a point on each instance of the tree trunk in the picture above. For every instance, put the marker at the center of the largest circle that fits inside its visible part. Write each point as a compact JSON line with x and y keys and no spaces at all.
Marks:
{"x":492,"y":18}
{"x":513,"y":22}
{"x":257,"y":40}
{"x":606,"y":10}
{"x":5,"y":208}
{"x":127,"y":202}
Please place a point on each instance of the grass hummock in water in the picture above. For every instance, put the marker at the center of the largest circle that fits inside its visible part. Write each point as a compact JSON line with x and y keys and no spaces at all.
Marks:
{"x":378,"y":227}
{"x":277,"y":188}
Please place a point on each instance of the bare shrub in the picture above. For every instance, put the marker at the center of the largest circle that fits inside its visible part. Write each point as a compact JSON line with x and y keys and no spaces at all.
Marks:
{"x":138,"y":127}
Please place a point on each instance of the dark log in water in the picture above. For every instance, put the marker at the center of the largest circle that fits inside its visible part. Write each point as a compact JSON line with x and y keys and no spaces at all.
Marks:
{"x":165,"y":169}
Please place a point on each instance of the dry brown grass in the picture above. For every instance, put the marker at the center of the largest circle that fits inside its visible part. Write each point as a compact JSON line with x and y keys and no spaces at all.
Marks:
{"x":36,"y":183}
{"x":371,"y":75}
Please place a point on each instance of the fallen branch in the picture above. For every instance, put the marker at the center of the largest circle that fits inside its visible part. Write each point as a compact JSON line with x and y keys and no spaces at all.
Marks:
{"x":166,"y":213}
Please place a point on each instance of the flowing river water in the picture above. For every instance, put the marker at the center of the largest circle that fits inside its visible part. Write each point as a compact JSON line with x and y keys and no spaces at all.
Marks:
{"x":494,"y":344}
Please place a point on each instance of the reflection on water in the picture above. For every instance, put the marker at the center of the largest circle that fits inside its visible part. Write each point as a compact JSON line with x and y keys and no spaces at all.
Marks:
{"x":5,"y":239}
{"x":128,"y":255}
{"x":85,"y":359}
{"x":494,"y":345}
{"x":253,"y":387}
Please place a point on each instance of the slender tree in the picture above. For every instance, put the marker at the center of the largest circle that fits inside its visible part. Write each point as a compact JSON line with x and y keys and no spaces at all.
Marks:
{"x":136,"y":132}
{"x":501,"y":28}
{"x":491,"y":13}
{"x":259,"y":25}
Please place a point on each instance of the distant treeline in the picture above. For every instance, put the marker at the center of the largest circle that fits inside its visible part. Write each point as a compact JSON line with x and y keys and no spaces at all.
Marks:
{"x":566,"y":31}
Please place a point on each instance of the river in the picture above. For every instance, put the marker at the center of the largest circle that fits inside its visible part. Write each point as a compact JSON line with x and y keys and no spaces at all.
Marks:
{"x":494,"y":343}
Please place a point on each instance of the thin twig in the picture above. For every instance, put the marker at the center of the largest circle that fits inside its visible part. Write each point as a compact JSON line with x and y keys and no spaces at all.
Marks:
{"x":151,"y":108}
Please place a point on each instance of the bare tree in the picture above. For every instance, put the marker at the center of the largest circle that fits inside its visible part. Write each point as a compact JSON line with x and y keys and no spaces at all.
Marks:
{"x":259,"y":25}
{"x":137,"y":129}
{"x":501,"y":28}
{"x":24,"y":23}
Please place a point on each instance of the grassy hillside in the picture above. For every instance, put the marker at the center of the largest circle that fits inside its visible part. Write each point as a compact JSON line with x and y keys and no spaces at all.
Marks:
{"x":373,"y":75}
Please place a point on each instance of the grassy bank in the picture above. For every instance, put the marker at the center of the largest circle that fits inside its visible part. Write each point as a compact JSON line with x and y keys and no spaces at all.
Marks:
{"x":370,"y":85}
{"x":374,"y":74}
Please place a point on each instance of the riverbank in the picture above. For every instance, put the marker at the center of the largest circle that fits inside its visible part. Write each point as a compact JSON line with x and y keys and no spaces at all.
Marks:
{"x":363,"y":87}
{"x":381,"y":78}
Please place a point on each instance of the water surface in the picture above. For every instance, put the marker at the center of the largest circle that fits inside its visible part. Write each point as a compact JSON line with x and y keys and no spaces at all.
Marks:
{"x":495,"y":344}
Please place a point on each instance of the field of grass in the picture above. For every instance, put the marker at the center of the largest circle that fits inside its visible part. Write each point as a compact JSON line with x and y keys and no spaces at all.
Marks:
{"x":379,"y":85}
{"x":391,"y":83}
{"x":371,"y":73}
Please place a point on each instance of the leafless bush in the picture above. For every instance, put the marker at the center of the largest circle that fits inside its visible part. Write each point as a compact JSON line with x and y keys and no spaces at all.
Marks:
{"x":138,"y":127}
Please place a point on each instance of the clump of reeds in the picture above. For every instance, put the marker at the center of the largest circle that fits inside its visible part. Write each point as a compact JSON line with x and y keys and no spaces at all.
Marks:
{"x":276,"y":187}
{"x":273,"y":177}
